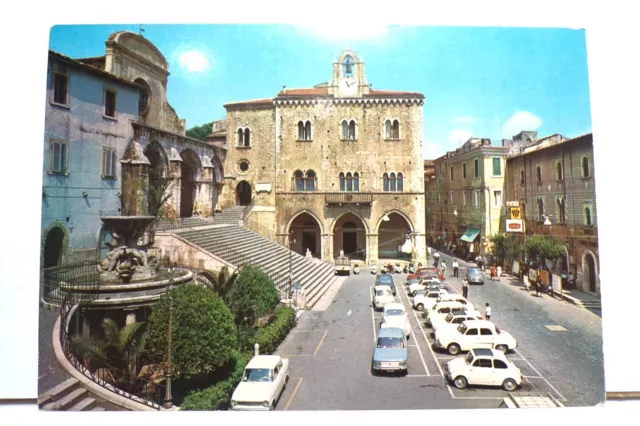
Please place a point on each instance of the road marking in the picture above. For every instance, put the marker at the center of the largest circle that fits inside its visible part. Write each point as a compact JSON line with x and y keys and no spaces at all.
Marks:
{"x":516,"y":359}
{"x":307,"y":331}
{"x":413,"y":346}
{"x":373,"y":318}
{"x":319,"y":344}
{"x":532,"y":377}
{"x":414,"y":336}
{"x":476,"y":397}
{"x":418,"y":375}
{"x":295,"y":390}
{"x":534,"y":369}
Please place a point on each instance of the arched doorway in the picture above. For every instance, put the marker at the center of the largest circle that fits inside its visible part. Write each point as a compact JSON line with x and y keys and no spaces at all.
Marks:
{"x":590,"y":271}
{"x":349,"y":235}
{"x":306,"y":234}
{"x":393,"y":232}
{"x":243,"y":193}
{"x":53,"y":247}
{"x":188,"y":180}
{"x":156,"y":193}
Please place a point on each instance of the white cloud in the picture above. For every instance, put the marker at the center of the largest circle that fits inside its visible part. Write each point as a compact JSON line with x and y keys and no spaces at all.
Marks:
{"x":466,"y":119}
{"x":354,"y":30}
{"x":458,"y":136}
{"x":520,"y":121}
{"x":193,"y":61}
{"x":431,"y":151}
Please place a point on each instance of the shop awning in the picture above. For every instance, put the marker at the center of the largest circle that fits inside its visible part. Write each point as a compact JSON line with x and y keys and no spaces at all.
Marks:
{"x":470,"y":234}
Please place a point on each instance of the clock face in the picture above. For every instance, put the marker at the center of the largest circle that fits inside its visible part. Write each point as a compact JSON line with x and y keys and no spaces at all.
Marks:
{"x":349,"y":86}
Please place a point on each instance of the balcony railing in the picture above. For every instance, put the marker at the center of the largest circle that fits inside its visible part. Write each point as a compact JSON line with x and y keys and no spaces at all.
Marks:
{"x":348,"y":198}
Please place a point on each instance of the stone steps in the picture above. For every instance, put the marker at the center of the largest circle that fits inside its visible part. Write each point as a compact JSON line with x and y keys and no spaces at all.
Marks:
{"x":70,"y":396}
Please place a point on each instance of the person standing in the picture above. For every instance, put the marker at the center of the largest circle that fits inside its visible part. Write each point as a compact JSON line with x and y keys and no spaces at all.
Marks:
{"x":487,"y":311}
{"x":499,"y":269}
{"x":436,"y":256}
{"x":465,"y":287}
{"x":538,"y":285}
{"x":454,"y":265}
{"x":443,"y":267}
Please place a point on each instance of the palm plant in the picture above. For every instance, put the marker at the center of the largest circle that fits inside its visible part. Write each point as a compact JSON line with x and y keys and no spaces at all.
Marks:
{"x":117,"y":353}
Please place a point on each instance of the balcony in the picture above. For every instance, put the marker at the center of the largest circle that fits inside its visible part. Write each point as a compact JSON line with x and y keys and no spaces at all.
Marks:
{"x":348,"y":198}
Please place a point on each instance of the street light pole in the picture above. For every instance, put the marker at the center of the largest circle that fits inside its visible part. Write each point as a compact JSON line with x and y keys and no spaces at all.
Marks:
{"x":168,"y":398}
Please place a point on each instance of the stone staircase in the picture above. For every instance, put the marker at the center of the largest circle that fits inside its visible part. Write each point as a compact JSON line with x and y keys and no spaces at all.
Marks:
{"x":185,"y":222}
{"x":238,"y":246}
{"x":230,"y":216}
{"x":69,"y":396}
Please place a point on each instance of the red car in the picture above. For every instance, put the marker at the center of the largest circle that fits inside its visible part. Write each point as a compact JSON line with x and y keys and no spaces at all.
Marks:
{"x":427,"y":272}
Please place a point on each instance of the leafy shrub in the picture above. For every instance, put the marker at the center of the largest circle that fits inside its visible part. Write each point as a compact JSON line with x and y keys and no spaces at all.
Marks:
{"x":252,"y":296}
{"x":204,"y":332}
{"x":272,"y":335}
{"x":218,"y":396}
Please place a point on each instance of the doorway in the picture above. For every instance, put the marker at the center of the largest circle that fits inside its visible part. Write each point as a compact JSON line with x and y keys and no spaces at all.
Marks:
{"x":243,"y":193}
{"x":350,"y":243}
{"x":53,"y":247}
{"x":590,"y":273}
{"x":309,"y":242}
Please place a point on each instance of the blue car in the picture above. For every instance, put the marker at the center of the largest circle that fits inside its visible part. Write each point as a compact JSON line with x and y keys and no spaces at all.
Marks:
{"x":390,"y":351}
{"x":386,"y":279}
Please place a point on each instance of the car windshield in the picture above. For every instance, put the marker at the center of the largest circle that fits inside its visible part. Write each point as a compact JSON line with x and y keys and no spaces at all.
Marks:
{"x":385,"y":279}
{"x":390,"y":342}
{"x":474,"y":270}
{"x":384,"y":292}
{"x":394,"y":312}
{"x":257,"y":375}
{"x":462,"y":328}
{"x":469,"y":358}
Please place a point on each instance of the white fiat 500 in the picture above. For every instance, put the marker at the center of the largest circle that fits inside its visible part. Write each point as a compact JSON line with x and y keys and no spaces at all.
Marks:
{"x":445,"y":298}
{"x":394,"y":315}
{"x":262,"y":383}
{"x":474,"y":334}
{"x":420,"y":301}
{"x":442,"y":308}
{"x":453,"y":319}
{"x":381,"y":296}
{"x":485,"y":367}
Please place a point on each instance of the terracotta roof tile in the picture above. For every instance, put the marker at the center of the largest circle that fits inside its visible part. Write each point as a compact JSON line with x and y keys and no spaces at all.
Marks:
{"x":267,"y":101}
{"x":393,"y":93}
{"x":91,"y":68}
{"x":305,"y":92}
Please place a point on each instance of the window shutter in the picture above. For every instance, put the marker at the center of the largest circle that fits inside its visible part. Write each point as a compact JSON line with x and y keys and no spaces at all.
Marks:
{"x":496,"y":167}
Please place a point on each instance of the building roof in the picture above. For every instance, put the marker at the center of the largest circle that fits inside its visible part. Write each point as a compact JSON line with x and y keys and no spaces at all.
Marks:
{"x":393,"y":93}
{"x":315,"y":91}
{"x":90,"y":68}
{"x":257,"y":102}
{"x":533,"y":149}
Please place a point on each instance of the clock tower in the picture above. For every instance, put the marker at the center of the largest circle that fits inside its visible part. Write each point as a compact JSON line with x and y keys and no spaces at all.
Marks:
{"x":348,"y":80}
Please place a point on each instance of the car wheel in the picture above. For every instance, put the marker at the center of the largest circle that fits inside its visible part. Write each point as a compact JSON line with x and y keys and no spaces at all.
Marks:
{"x":510,"y":385}
{"x":460,"y":382}
{"x":453,"y":349}
{"x":502,"y":348}
{"x":420,"y":307}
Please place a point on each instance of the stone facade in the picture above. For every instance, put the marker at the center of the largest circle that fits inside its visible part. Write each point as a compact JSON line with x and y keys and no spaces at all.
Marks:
{"x":563,"y":190}
{"x":302,"y":141}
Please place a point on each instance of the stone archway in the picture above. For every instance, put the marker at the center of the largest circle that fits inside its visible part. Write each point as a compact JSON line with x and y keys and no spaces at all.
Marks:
{"x":158,"y":183}
{"x":350,"y":235}
{"x":53,"y":247}
{"x":392,"y":234}
{"x":188,"y":182}
{"x":589,"y":272}
{"x":243,"y":193}
{"x":306,"y":233}
{"x":216,"y":189}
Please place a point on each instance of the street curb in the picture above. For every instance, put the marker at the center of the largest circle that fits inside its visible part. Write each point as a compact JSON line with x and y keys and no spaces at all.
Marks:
{"x":49,"y":306}
{"x":92,"y":387}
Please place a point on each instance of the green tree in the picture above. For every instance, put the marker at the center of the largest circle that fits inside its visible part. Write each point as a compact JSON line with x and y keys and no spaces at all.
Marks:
{"x":508,"y":248}
{"x":252,"y":296}
{"x":117,"y":352}
{"x":200,"y":132}
{"x":543,"y":246}
{"x":203,"y":331}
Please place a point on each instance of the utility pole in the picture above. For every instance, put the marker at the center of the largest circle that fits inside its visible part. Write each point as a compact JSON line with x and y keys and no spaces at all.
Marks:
{"x":168,"y":398}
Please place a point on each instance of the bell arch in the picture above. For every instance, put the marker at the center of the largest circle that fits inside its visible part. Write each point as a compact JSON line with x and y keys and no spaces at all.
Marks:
{"x":189,"y":174}
{"x":394,"y":228}
{"x":350,"y":231}
{"x":305,"y":233}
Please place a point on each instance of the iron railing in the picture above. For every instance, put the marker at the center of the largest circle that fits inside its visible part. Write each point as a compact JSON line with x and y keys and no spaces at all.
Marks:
{"x":82,"y":277}
{"x":140,"y":390}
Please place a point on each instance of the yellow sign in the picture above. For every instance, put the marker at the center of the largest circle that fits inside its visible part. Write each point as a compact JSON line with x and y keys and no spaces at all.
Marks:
{"x":515,"y":213}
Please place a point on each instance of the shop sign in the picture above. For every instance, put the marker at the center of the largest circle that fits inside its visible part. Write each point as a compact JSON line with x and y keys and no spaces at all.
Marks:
{"x":513,"y":204}
{"x":556,"y":283}
{"x":515,"y":225}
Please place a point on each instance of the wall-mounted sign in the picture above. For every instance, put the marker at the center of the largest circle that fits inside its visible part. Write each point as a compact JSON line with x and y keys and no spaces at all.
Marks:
{"x":263,"y":187}
{"x":515,"y":225}
{"x":513,"y":204}
{"x":515,"y":213}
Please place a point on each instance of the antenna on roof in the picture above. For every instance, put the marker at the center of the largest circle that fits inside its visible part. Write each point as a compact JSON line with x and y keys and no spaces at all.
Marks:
{"x":141,"y":30}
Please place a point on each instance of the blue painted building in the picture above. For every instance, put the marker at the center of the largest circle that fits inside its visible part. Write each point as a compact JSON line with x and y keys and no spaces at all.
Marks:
{"x":87,"y":129}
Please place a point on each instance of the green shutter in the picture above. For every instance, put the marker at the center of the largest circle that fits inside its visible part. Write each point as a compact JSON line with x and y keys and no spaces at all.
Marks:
{"x":496,"y":167}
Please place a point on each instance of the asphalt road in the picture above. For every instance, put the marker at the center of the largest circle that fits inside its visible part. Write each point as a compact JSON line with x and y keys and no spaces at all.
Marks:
{"x":330,"y":352}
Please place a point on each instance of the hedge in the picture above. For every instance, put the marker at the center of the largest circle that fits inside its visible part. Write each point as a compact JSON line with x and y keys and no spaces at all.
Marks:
{"x":218,"y":396}
{"x":270,"y":337}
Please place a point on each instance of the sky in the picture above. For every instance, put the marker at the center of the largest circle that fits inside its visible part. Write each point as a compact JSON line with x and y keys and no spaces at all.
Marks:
{"x":479,"y":82}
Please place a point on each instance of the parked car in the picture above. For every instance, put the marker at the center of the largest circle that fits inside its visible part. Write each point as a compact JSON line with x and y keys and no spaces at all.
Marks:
{"x":382,"y":295}
{"x":394,"y":315}
{"x":446,"y":297}
{"x":442,"y":308}
{"x":474,"y":334}
{"x":390,"y":351}
{"x":453,"y":318}
{"x":420,"y":301}
{"x":386,"y":279}
{"x":265,"y":376}
{"x":474,"y":276}
{"x":486,"y":367}
{"x":343,"y":265}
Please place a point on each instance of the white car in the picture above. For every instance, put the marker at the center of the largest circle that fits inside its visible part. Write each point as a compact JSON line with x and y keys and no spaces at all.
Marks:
{"x":381,"y":296}
{"x":428,"y":298}
{"x":442,"y":308}
{"x":394,"y":315}
{"x":453,"y":319}
{"x":485,"y":367}
{"x":262,"y":383}
{"x":428,"y":304}
{"x":474,"y":334}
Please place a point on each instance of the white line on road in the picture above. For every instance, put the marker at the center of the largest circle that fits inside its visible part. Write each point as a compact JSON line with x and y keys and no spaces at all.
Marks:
{"x":413,"y":346}
{"x":373,"y":319}
{"x":418,"y":375}
{"x":534,"y":369}
{"x":533,"y":377}
{"x":414,"y":336}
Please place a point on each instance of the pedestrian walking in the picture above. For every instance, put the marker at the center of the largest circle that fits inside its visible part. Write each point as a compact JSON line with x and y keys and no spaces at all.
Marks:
{"x":538,"y":285}
{"x":494,"y":272}
{"x":454,"y":265}
{"x":499,"y":269}
{"x":443,"y":267}
{"x":465,"y":287}
{"x":487,"y":311}
{"x":436,"y":256}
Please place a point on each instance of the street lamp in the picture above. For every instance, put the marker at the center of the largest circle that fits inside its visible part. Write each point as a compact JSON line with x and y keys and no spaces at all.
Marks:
{"x":168,"y":398}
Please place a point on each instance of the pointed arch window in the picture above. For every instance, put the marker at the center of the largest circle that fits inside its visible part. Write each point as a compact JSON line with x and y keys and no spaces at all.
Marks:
{"x":385,"y":182}
{"x":299,"y":181}
{"x":349,"y":130}
{"x":304,"y":130}
{"x":247,"y":137}
{"x":395,"y":130}
{"x":540,"y":203}
{"x":559,"y":171}
{"x":300,"y":131}
{"x":349,"y":182}
{"x":387,"y":125}
{"x":522,"y":177}
{"x":539,"y":174}
{"x":392,"y":182}
{"x":310,"y":181}
{"x":356,"y":182}
{"x":243,"y":138}
{"x":399,"y":183}
{"x":345,"y":130}
{"x":342,"y":182}
{"x":347,"y":66}
{"x":562,"y":217}
{"x":240,"y":140}
{"x":585,"y":167}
